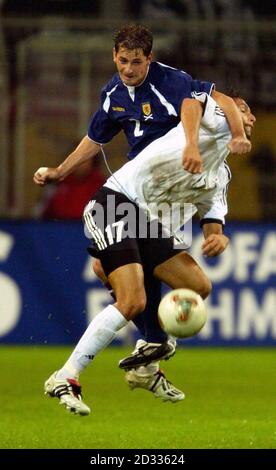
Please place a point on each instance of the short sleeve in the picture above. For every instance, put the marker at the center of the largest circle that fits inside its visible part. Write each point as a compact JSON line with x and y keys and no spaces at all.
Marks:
{"x":102,"y":128}
{"x":214,"y":208}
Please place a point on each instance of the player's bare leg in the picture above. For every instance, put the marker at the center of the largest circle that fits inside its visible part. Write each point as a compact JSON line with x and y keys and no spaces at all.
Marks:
{"x":147,"y":376}
{"x":179,"y":271}
{"x":144,"y":352}
{"x":128,"y":284}
{"x":98,"y":270}
{"x":182,"y":271}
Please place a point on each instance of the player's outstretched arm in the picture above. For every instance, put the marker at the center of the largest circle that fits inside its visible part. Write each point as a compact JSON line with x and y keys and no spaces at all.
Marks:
{"x":84,"y":151}
{"x":215,"y":241}
{"x":239,"y":144}
{"x":191,"y":114}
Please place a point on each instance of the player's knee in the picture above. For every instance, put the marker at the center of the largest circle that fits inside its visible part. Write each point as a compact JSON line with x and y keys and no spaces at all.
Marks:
{"x":204,"y":288}
{"x":132,"y":306}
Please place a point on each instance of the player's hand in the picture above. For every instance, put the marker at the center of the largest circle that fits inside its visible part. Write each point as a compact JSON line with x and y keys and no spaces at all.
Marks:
{"x":191,"y":159}
{"x":214,"y":245}
{"x":239,"y":145}
{"x":45,"y":175}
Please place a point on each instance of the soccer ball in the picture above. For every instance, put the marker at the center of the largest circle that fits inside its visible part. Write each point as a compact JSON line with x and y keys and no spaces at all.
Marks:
{"x":182,"y":313}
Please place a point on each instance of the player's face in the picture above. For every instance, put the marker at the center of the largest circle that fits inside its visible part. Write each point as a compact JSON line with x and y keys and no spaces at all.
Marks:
{"x":247,"y":117}
{"x":132,"y":65}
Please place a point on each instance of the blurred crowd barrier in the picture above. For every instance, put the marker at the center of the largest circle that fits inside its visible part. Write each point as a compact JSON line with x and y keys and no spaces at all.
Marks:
{"x":49,"y":293}
{"x":52,"y":69}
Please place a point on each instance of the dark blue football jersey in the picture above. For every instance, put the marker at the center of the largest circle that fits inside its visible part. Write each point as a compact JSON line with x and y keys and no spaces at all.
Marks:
{"x":145,"y":112}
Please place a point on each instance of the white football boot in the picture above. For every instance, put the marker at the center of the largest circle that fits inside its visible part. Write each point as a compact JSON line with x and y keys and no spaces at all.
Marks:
{"x":69,"y":393}
{"x":155,"y":382}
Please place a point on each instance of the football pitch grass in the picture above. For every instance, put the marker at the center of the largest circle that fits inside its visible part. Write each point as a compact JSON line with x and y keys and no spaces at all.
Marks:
{"x":229,"y":404}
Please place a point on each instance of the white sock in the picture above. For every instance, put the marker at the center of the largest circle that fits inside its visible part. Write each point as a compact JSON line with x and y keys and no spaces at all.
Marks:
{"x":97,"y":336}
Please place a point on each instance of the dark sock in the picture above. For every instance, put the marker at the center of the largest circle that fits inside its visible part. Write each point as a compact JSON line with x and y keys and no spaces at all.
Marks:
{"x":153,"y":331}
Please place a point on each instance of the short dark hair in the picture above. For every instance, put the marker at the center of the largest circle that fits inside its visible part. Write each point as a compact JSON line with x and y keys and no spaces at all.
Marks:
{"x":134,"y":36}
{"x":234,"y":93}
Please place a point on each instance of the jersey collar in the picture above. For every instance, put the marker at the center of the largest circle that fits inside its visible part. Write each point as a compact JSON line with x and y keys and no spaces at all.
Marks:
{"x":131,"y":89}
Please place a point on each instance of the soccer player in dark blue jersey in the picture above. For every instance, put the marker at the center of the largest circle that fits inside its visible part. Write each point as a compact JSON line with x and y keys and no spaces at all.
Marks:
{"x":145,"y":99}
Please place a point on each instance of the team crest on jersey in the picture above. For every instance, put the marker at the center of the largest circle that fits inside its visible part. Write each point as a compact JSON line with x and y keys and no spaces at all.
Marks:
{"x":146,"y":109}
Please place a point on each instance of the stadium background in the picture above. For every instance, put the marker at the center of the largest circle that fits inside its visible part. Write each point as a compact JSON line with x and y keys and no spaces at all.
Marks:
{"x":55,"y":57}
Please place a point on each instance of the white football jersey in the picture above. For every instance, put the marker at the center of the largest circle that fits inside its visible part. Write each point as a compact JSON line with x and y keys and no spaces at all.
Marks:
{"x":156,"y":178}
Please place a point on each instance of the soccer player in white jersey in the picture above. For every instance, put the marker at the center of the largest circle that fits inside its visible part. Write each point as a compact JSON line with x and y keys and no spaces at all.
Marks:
{"x":146,"y":100}
{"x":158,"y":176}
{"x":156,"y":179}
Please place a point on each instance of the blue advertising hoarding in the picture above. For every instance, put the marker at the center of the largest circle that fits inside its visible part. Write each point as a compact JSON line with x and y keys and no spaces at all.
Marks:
{"x":48,"y":292}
